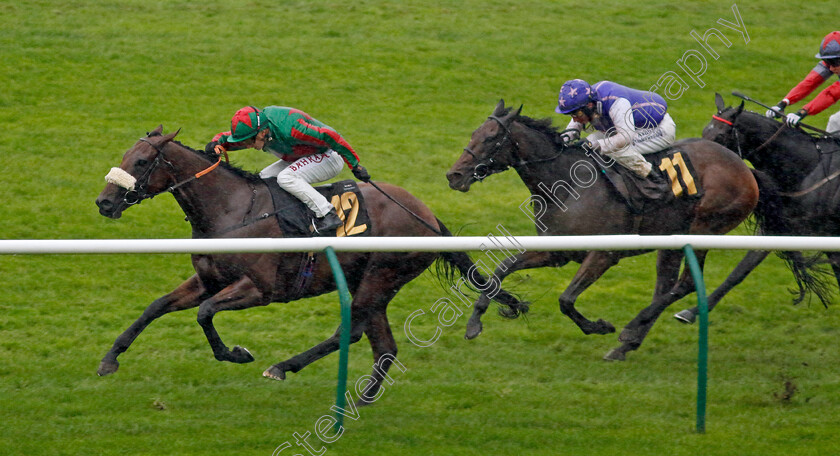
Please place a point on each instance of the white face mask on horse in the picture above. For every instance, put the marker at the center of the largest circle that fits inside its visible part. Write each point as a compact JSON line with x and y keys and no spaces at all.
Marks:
{"x":120,"y":178}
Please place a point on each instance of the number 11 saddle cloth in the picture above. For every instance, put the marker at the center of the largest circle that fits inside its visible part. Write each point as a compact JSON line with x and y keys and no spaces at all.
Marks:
{"x":671,"y":178}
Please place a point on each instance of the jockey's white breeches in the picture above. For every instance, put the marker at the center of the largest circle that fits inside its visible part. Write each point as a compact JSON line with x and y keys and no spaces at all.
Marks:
{"x":297,"y":176}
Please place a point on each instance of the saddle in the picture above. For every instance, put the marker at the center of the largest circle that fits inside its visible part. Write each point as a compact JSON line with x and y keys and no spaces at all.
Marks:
{"x":295,"y":217}
{"x":671,"y":178}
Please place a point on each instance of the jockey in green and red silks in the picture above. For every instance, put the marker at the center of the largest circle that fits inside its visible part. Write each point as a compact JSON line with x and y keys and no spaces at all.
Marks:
{"x":309,"y":152}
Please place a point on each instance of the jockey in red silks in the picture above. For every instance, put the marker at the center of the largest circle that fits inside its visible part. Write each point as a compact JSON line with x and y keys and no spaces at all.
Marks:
{"x":829,"y":65}
{"x":309,"y":152}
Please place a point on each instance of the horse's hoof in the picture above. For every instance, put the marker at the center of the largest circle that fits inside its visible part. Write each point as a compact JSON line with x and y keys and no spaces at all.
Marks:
{"x":615,"y":355}
{"x":275,"y":373}
{"x":241,"y":355}
{"x":686,"y":316}
{"x":107,"y":368}
{"x":473,"y":331}
{"x":604,"y":327}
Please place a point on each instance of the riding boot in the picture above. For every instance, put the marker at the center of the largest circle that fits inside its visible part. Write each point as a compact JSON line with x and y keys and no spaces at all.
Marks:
{"x":326,"y":225}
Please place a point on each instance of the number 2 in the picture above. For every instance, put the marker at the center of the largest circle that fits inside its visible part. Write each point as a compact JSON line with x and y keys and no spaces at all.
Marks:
{"x":348,"y":201}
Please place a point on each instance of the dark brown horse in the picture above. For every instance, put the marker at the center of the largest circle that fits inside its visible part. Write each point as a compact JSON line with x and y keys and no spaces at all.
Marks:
{"x":221,"y":200}
{"x":800,"y":192}
{"x":573,"y":201}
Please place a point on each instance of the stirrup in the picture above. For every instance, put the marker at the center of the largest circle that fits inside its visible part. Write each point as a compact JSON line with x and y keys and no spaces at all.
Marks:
{"x":325,"y":225}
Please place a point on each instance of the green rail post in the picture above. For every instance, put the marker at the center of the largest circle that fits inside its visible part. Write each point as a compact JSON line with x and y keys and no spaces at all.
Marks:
{"x":703,"y":342}
{"x":344,"y":298}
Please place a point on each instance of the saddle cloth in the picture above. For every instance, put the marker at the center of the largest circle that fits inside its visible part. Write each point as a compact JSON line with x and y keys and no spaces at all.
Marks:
{"x":295,"y":218}
{"x":672,"y":177}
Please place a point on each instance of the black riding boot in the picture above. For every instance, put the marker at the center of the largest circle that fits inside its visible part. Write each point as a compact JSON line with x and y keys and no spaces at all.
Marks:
{"x":326,"y":225}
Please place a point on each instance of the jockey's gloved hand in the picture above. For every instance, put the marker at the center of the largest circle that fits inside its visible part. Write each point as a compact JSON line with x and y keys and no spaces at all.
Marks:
{"x":589,"y":144}
{"x":361,"y":173}
{"x":794,"y":118}
{"x":567,"y":136}
{"x":777,"y":111}
{"x":210,"y":148}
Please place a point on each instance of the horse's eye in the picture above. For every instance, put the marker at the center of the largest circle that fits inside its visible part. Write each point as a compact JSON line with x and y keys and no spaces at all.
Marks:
{"x":141,"y":163}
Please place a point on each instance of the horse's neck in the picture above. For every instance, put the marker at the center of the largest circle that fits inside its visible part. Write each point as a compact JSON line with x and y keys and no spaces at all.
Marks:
{"x":786,"y":158}
{"x":549,"y":174}
{"x":208,"y":201}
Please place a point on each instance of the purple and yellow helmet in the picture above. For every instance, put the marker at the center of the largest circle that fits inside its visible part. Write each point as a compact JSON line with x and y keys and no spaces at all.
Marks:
{"x":574,"y":95}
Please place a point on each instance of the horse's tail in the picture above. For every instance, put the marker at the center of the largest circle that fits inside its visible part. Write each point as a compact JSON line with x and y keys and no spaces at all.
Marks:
{"x":769,"y":219}
{"x":510,"y":306}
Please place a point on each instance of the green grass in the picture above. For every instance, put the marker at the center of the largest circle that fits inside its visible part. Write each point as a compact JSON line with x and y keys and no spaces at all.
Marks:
{"x":406,"y":83}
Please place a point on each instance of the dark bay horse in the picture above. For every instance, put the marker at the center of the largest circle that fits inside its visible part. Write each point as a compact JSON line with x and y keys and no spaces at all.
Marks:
{"x":533,"y":148}
{"x":226,"y":196}
{"x":800,"y":192}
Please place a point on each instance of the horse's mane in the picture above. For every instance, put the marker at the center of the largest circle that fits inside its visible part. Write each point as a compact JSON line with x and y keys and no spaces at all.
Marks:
{"x":543,"y":126}
{"x":247,"y":175}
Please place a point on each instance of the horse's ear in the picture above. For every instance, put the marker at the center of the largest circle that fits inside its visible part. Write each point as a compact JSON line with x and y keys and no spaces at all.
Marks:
{"x":500,"y":108}
{"x":741,"y":107}
{"x":719,"y":103}
{"x":516,"y":114}
{"x":170,"y":136}
{"x":156,"y":131}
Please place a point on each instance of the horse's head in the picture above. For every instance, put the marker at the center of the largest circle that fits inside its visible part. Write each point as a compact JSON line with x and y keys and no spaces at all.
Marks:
{"x":139,"y":176}
{"x":721,"y":129}
{"x":491,"y":150}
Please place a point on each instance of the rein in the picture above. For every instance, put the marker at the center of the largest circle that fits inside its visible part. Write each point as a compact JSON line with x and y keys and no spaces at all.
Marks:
{"x":731,"y":123}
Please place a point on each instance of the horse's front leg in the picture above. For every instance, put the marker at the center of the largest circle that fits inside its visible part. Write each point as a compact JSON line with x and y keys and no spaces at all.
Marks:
{"x":242,"y":294}
{"x":526,"y":260}
{"x":187,"y":295}
{"x":591,"y":269}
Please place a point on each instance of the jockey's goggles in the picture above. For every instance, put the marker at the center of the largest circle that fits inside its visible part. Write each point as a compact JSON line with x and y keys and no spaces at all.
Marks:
{"x":832,"y":62}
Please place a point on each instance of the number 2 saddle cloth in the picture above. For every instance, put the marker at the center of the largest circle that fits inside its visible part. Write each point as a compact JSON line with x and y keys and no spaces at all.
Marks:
{"x":672,"y":178}
{"x":295,"y":218}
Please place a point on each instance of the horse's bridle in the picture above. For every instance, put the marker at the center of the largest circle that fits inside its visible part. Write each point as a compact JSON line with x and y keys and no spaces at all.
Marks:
{"x":489,"y":165}
{"x":139,"y":193}
{"x":734,"y":131}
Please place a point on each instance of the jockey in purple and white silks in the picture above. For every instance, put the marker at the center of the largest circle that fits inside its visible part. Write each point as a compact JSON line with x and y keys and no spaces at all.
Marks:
{"x":627,"y":123}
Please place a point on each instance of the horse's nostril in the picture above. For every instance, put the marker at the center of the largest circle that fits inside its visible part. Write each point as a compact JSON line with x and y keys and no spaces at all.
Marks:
{"x":104,"y":204}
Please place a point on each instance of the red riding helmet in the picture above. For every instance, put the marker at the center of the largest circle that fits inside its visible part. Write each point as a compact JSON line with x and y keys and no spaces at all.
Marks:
{"x":830,"y":47}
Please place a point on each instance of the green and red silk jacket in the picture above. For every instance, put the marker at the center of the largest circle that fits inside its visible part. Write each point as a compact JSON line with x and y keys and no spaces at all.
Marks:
{"x":296,"y":134}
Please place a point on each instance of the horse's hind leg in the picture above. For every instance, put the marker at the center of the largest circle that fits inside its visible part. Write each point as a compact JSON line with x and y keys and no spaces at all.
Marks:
{"x":591,"y":269}
{"x":241,"y":294}
{"x":750,"y":261}
{"x":331,"y":344}
{"x":370,"y":300}
{"x":509,"y":265}
{"x":668,"y":290}
{"x":187,"y":295}
{"x":384,"y":355}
